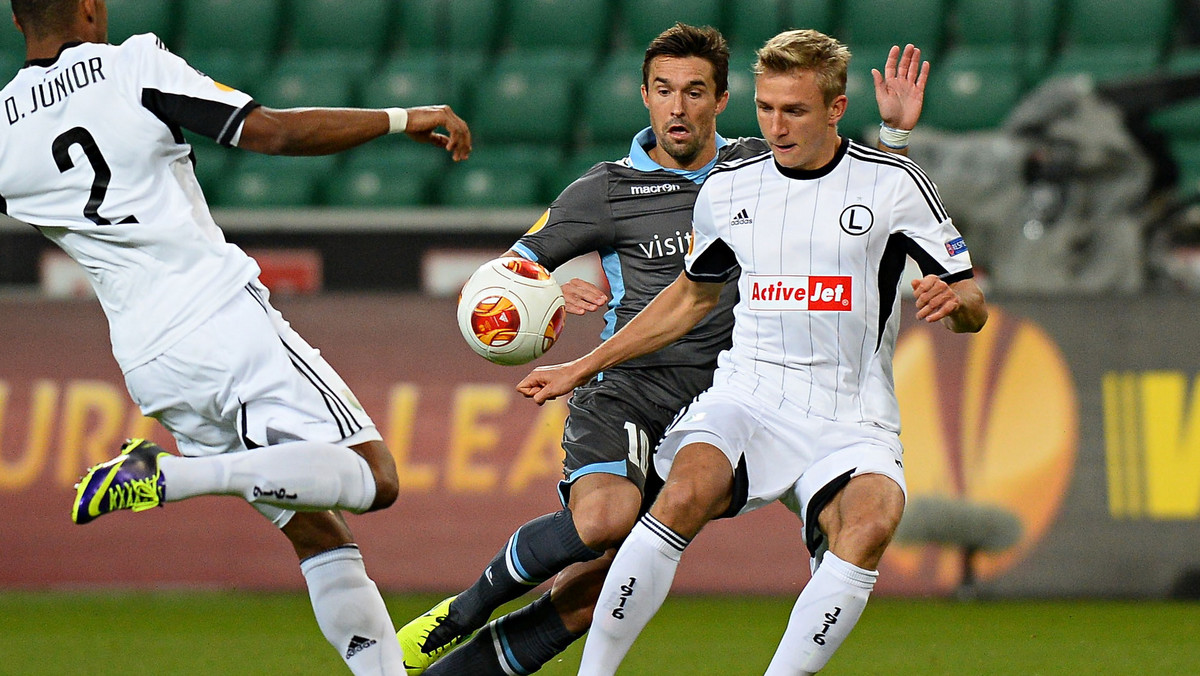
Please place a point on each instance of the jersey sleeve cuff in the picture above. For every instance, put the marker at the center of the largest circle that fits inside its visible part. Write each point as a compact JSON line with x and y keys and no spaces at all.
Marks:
{"x":232,"y":132}
{"x":959,"y":276}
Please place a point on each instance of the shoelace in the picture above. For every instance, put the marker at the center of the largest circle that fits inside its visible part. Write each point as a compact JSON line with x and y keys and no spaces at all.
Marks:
{"x":444,"y":648}
{"x":136,"y":494}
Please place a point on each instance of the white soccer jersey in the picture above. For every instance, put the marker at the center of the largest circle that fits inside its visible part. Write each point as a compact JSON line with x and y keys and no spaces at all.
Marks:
{"x":92,"y":155}
{"x":821,"y":255}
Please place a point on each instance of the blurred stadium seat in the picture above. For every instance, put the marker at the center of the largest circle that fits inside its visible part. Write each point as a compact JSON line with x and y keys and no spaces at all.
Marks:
{"x":640,"y":21}
{"x":1182,"y":120}
{"x":612,"y":102}
{"x":459,"y":26}
{"x":1104,"y":63}
{"x":361,"y":26}
{"x":1031,"y":24}
{"x":1103,"y":23}
{"x":132,"y":17}
{"x":385,"y":174}
{"x":521,"y":105}
{"x":298,"y":81}
{"x":467,"y":185}
{"x":241,"y":25}
{"x":1024,"y":32}
{"x":875,"y":25}
{"x":750,"y":22}
{"x":815,"y":14}
{"x":10,"y":62}
{"x":406,"y":81}
{"x":559,"y":25}
{"x":1186,"y":152}
{"x":268,"y":181}
{"x":12,"y":42}
{"x":740,"y":117}
{"x":973,"y":90}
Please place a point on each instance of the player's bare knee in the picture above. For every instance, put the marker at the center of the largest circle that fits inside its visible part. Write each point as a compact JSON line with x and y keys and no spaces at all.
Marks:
{"x":863,"y":541}
{"x":383,"y":473}
{"x":686,"y":505}
{"x":603,"y":528}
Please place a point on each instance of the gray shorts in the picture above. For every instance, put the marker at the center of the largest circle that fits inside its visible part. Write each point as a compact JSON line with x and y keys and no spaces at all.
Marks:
{"x":616,"y":421}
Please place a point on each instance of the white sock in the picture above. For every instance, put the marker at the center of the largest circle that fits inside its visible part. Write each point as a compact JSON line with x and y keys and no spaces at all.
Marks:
{"x":351,"y":613}
{"x":823,"y":616}
{"x":295,"y":475}
{"x":634,"y":589}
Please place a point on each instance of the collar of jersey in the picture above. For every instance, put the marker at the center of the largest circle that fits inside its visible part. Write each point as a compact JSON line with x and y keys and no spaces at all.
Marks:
{"x":809,"y":174}
{"x":640,"y":159}
{"x":46,"y":63}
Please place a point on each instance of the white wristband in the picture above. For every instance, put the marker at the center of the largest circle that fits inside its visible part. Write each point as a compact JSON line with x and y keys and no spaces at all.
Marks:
{"x":896,"y":139}
{"x":397,"y":120}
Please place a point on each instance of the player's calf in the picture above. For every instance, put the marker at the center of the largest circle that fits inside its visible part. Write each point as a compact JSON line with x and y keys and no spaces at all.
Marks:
{"x":534,"y":554}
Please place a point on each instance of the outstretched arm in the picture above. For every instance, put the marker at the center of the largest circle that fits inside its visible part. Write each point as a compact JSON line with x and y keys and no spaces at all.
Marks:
{"x":672,"y":313}
{"x":900,"y":93}
{"x":325,"y":131}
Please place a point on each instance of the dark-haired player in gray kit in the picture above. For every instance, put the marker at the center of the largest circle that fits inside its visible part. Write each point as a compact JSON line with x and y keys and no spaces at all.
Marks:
{"x":636,"y":214}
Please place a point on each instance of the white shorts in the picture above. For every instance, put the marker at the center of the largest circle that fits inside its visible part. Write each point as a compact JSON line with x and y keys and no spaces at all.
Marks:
{"x":780,"y":454}
{"x":245,"y":379}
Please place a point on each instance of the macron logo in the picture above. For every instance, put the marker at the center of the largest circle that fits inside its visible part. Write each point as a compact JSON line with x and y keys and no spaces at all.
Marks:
{"x":653,"y":189}
{"x":742,"y":218}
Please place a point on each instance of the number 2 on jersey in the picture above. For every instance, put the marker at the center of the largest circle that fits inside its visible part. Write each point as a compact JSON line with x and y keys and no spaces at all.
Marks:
{"x":103,"y":174}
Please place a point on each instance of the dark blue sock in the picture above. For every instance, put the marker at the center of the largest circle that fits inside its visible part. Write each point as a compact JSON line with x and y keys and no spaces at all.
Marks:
{"x":534,"y":554}
{"x":521,"y":642}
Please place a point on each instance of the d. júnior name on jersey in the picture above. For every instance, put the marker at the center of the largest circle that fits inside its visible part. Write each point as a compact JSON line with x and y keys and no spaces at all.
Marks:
{"x":670,"y":246}
{"x":55,"y":89}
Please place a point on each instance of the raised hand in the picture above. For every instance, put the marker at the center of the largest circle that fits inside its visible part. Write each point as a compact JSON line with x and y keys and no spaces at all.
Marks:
{"x":900,"y":88}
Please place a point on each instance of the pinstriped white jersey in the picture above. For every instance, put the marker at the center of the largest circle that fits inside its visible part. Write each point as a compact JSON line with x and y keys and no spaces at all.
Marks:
{"x":821,"y":255}
{"x":92,"y":154}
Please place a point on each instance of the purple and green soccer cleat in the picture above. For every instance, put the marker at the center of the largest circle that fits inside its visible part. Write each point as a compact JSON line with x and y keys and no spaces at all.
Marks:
{"x":131,"y":481}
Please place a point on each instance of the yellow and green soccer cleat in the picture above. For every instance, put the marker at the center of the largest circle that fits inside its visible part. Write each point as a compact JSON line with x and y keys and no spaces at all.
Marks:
{"x":414,"y":635}
{"x":131,"y":481}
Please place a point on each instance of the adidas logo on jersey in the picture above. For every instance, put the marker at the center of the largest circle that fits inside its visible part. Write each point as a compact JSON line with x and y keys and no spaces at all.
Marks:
{"x":358,"y":644}
{"x":742,"y":218}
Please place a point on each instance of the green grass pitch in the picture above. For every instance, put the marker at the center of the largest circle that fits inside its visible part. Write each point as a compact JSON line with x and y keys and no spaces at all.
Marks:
{"x":209,"y":633}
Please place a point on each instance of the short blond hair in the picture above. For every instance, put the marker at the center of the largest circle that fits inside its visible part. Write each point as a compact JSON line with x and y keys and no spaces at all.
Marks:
{"x":807,"y":50}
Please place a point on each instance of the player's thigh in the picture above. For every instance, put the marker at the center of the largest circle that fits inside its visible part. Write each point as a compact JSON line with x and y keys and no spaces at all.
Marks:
{"x":765,"y":460}
{"x":295,"y":394}
{"x":610,"y":430}
{"x":845,"y":452}
{"x":244,"y":379}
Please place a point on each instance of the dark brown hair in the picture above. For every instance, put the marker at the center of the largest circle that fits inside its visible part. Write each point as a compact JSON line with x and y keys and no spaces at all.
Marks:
{"x":682,"y":40}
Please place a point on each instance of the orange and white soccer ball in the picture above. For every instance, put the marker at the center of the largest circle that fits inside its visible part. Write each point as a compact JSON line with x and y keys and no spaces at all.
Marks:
{"x":511,"y":311}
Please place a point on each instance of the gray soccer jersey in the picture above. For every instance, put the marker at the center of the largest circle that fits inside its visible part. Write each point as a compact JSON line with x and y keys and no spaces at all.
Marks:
{"x":821,"y":255}
{"x":92,"y":154}
{"x":638,"y":218}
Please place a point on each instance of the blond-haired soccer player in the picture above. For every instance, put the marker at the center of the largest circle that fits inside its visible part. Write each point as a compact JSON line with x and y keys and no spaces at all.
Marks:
{"x":92,"y":154}
{"x":802,"y":407}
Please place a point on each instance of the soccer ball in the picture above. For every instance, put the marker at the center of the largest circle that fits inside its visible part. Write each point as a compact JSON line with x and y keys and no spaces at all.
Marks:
{"x":511,"y":311}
